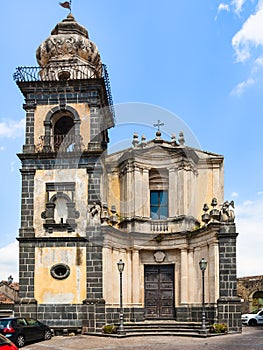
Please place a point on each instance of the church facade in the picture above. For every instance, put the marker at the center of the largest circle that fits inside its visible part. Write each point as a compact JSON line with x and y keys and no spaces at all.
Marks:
{"x":82,"y":209}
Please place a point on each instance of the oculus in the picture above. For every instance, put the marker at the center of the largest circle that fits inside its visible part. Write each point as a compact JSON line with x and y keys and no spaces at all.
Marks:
{"x":60,"y":271}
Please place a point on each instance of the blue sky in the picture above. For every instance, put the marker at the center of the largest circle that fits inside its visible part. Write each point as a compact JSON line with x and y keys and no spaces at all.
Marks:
{"x":200,"y":60}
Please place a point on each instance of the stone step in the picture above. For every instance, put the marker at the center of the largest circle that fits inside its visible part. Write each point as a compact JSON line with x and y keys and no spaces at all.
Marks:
{"x":153,"y":328}
{"x":177,"y":333}
{"x":161,"y":329}
{"x":160,"y":325}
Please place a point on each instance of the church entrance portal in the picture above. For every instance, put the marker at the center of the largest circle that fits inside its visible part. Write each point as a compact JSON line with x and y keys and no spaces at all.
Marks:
{"x":159,"y":291}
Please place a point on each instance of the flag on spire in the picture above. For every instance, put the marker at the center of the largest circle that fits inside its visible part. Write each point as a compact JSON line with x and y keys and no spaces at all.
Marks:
{"x":66,"y":4}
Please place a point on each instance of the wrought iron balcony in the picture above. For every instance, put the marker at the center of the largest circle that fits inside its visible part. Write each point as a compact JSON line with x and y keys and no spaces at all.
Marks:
{"x":59,"y":143}
{"x":68,"y":71}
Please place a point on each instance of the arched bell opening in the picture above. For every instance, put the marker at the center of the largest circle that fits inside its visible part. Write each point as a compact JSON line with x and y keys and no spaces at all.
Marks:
{"x":62,"y":130}
{"x":63,"y":133}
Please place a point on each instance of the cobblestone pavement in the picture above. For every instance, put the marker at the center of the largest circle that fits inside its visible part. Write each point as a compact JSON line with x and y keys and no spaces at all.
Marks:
{"x":250,"y":339}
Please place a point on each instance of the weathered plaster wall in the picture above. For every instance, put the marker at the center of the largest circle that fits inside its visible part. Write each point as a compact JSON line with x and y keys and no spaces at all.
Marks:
{"x":182,"y":252}
{"x":188,"y":190}
{"x":42,"y":110}
{"x":80,"y":177}
{"x":71,"y":290}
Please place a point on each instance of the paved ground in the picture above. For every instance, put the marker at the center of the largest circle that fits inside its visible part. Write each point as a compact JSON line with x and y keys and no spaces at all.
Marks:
{"x":250,"y":339}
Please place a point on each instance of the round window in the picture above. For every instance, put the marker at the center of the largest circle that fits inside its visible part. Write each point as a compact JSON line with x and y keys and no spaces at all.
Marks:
{"x":64,"y":75}
{"x":60,"y":271}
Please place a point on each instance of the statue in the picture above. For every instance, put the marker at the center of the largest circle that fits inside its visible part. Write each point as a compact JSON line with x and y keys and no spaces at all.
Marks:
{"x":94,"y":213}
{"x":227,"y":214}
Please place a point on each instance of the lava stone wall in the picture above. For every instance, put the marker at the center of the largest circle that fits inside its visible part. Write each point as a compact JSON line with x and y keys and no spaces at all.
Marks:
{"x":229,"y":305}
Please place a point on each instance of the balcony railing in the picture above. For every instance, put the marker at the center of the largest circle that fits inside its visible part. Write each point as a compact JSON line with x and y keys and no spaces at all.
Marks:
{"x":159,"y":226}
{"x":52,"y":72}
{"x":64,"y":72}
{"x":175,"y":224}
{"x":59,"y":143}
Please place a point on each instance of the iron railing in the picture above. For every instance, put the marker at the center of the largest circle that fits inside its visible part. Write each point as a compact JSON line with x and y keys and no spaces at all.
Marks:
{"x":59,"y":143}
{"x":30,"y":74}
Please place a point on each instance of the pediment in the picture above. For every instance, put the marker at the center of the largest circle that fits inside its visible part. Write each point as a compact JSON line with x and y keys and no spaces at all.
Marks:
{"x":157,"y":156}
{"x":162,"y":155}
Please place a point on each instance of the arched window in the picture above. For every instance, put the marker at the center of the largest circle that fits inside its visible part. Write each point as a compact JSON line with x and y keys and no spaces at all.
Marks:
{"x":60,"y":213}
{"x":64,"y":136}
{"x":62,"y":130}
{"x":61,"y":210}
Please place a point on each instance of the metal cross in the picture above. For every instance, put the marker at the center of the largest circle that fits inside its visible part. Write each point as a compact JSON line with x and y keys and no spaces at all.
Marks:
{"x":158,"y":124}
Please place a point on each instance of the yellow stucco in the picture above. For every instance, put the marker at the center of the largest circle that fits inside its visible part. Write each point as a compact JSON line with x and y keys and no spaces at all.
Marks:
{"x":71,"y":290}
{"x":79,"y":177}
{"x":206,"y":185}
{"x":42,"y":111}
{"x":114,"y":191}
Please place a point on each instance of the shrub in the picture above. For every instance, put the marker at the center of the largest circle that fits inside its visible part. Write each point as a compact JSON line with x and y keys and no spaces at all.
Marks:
{"x":158,"y":238}
{"x":109,"y":329}
{"x":218,"y":328}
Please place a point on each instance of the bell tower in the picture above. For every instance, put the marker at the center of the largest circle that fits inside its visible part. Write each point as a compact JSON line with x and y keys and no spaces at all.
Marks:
{"x":68,"y":113}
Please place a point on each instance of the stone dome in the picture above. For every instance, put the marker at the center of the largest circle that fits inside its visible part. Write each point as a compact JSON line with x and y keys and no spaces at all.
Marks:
{"x":69,"y":41}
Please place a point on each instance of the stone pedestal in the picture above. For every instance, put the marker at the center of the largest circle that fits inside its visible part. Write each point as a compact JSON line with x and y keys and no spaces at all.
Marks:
{"x":96,"y":316}
{"x":229,"y":312}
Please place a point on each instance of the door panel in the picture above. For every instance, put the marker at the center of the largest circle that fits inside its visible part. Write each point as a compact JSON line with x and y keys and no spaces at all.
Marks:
{"x":159,"y":291}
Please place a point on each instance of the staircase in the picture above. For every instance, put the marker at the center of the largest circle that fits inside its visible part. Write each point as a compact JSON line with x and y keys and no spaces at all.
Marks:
{"x":161,"y":328}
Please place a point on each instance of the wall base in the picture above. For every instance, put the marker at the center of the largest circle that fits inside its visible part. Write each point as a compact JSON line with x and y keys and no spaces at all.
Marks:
{"x":229,"y":312}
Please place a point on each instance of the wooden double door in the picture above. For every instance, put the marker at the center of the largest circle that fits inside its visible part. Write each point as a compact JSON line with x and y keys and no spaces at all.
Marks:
{"x":159,"y":291}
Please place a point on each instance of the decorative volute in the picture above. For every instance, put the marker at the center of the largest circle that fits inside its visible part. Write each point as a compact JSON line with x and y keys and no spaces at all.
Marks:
{"x":68,"y":53}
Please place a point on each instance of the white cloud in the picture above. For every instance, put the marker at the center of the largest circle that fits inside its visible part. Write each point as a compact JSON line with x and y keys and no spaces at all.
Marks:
{"x":249,"y":36}
{"x":251,"y":209}
{"x":234,"y":194}
{"x":12,"y":166}
{"x":238,"y":5}
{"x":223,"y":7}
{"x":235,"y":5}
{"x":2,"y":148}
{"x":240,"y":88}
{"x":9,"y":261}
{"x":257,"y":65}
{"x":12,"y":129}
{"x":249,"y":219}
{"x":248,"y":44}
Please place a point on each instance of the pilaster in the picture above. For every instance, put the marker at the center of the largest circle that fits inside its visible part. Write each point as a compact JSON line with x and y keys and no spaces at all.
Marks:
{"x":184,"y":277}
{"x":29,"y":146}
{"x":229,"y":305}
{"x":172,"y":193}
{"x":27,"y":203}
